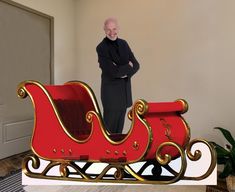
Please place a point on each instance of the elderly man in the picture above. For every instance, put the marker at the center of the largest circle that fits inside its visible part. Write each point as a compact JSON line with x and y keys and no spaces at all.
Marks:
{"x":118,"y":65}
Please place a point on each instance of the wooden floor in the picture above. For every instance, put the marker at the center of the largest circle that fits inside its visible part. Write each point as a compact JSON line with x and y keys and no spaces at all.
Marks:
{"x":114,"y":188}
{"x":11,"y":164}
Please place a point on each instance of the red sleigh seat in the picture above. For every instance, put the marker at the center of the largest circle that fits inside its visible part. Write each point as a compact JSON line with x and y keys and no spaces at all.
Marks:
{"x":69,"y":127}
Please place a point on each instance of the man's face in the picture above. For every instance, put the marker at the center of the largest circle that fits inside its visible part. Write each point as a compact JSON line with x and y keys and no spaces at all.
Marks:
{"x":111,"y":30}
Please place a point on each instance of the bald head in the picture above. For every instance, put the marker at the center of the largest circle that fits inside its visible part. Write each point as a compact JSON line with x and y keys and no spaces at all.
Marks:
{"x":111,"y":28}
{"x":110,"y":20}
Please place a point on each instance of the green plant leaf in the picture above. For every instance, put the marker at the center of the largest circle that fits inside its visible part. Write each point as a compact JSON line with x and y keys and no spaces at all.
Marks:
{"x":227,"y":135}
{"x":228,"y":170}
{"x":232,"y":153}
{"x":221,"y":160}
{"x":221,"y":152}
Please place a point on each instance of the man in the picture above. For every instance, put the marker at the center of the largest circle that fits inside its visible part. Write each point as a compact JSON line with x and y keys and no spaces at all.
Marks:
{"x":118,"y":65}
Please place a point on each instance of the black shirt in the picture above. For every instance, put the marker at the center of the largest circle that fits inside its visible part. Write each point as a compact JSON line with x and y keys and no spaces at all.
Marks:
{"x":113,"y":45}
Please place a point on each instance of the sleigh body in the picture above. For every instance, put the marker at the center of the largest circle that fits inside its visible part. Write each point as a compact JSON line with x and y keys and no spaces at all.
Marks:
{"x":69,"y":128}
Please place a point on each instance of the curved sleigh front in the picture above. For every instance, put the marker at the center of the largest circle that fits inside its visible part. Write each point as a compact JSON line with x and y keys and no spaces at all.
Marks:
{"x":69,"y":129}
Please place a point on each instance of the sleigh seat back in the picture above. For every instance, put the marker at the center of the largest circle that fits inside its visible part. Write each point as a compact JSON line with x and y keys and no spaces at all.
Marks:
{"x":72,"y":102}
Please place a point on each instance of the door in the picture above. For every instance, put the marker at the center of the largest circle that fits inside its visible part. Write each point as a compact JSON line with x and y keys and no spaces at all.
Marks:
{"x":26,"y":53}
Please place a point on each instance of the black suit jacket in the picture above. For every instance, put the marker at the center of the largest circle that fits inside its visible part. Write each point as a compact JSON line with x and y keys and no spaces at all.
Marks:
{"x":116,"y":90}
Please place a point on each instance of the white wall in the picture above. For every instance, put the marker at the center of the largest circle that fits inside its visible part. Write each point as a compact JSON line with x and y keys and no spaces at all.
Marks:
{"x":63,"y":12}
{"x":185,"y":48}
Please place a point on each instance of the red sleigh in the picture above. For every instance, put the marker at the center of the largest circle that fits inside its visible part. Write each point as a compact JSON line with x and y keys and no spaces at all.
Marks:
{"x":69,"y":130}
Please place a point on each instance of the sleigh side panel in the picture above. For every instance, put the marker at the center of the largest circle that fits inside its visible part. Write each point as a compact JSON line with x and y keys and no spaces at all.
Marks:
{"x":49,"y":132}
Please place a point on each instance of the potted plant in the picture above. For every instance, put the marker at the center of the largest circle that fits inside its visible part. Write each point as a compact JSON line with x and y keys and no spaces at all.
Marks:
{"x":226,"y":157}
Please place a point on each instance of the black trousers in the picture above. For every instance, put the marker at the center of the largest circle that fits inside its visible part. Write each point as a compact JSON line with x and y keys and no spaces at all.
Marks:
{"x":114,"y":120}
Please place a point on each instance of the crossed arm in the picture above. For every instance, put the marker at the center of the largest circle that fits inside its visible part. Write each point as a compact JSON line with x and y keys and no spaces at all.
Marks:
{"x":113,"y":70}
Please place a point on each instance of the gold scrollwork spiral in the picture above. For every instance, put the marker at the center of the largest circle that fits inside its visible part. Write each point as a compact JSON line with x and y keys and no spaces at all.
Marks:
{"x":163,"y":160}
{"x":22,"y":93}
{"x":167,"y":158}
{"x":89,"y":116}
{"x":197,"y":154}
{"x":35,"y":163}
{"x":129,"y":114}
{"x":141,"y":107}
{"x":119,"y":173}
